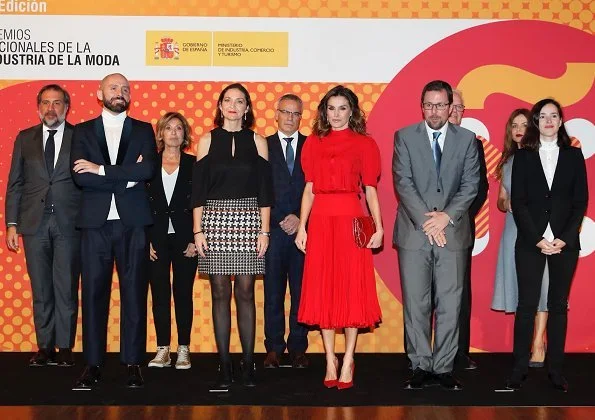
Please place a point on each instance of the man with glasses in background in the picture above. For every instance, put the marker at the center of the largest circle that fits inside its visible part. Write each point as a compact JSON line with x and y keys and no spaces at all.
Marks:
{"x":436,"y":177}
{"x":462,"y":359}
{"x":284,"y":262}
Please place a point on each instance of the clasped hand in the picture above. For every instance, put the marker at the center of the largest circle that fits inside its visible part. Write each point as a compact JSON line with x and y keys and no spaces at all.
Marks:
{"x":551,"y":248}
{"x":434,"y":227}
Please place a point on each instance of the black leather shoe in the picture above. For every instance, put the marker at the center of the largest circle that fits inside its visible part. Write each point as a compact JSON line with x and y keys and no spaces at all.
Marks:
{"x":515,"y":382}
{"x":225,"y":376}
{"x":272,"y":360}
{"x":135,"y":377}
{"x":449,"y":382}
{"x":43,"y":357}
{"x":418,"y":379}
{"x":299,"y":360}
{"x":559,"y":382}
{"x":65,"y":358}
{"x":248,"y":373}
{"x":465,"y":362}
{"x":88,"y":380}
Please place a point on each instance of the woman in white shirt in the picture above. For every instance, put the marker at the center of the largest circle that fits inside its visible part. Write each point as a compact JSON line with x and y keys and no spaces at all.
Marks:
{"x":549,"y":199}
{"x":172,"y":245}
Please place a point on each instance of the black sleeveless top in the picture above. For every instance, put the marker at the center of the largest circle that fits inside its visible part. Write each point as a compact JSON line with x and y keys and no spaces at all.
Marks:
{"x":220,"y":176}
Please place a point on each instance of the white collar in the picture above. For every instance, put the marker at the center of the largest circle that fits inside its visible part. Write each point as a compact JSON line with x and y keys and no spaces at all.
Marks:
{"x":283,"y":136}
{"x":548,"y":145}
{"x":112,"y":119}
{"x":59,"y":129}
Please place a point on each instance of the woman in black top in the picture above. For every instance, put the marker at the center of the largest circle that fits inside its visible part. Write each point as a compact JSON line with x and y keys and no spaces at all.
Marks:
{"x":232,"y":195}
{"x":549,"y":199}
{"x":171,"y":242}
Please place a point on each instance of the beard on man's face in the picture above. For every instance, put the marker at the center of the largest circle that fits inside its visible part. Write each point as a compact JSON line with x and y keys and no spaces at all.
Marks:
{"x":51,"y":119}
{"x":116,"y":104}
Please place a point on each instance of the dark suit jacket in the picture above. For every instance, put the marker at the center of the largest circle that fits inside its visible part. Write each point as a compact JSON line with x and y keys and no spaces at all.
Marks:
{"x":29,"y":182}
{"x":482,"y":192}
{"x":534,"y":205}
{"x":179,"y":206}
{"x":288,"y":187}
{"x":88,"y":142}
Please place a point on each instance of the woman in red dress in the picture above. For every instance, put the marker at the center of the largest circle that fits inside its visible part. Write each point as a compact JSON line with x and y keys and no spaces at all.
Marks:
{"x":338,"y":286}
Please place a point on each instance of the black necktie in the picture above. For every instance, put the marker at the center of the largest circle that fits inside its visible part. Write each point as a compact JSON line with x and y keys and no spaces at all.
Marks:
{"x":436,"y":150}
{"x":289,"y":155}
{"x":50,"y":152}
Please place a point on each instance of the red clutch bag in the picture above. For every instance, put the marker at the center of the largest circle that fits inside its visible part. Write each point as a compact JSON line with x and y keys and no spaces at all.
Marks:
{"x":363,"y":229}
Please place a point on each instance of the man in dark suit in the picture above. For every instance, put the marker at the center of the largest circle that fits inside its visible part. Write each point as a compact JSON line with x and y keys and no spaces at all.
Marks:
{"x":283,"y":260}
{"x":41,"y":202}
{"x":462,"y":359}
{"x":436,"y":177}
{"x":112,"y":157}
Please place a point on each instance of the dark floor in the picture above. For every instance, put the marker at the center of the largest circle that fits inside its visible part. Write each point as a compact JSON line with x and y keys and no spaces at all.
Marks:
{"x":378,"y":382}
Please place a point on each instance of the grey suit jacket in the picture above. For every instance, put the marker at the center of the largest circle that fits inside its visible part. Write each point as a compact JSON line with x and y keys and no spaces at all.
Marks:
{"x":29,"y":182}
{"x":420,"y":190}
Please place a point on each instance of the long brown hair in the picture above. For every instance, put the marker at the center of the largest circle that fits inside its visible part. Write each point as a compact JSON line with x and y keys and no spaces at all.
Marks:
{"x":510,"y":146}
{"x":357,"y":122}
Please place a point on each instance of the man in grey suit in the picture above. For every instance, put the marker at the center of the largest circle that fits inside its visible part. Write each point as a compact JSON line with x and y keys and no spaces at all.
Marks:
{"x":41,"y":205}
{"x":436,"y":177}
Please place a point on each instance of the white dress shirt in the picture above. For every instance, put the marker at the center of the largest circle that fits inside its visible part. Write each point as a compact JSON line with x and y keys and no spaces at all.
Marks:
{"x":113,"y":125}
{"x":294,"y":143}
{"x":58,"y":136}
{"x":442,"y":137}
{"x":169,"y":184}
{"x":548,"y":154}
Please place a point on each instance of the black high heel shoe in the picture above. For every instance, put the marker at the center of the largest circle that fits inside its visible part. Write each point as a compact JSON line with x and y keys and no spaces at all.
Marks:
{"x":248,"y":373}
{"x":225,"y":376}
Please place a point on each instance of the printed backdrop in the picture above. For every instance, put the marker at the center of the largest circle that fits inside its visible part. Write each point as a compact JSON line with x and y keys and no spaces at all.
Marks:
{"x":180,"y":54}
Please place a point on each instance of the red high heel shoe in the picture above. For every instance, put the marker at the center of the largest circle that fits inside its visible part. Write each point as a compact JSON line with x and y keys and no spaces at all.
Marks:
{"x":347,"y":385}
{"x":331,"y":383}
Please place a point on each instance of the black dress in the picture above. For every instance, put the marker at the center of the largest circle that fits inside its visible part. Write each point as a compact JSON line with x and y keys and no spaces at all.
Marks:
{"x":231,"y":189}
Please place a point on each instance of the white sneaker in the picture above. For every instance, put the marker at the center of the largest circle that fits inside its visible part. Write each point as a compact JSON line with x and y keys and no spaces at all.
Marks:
{"x":162,"y":358}
{"x":183,"y":360}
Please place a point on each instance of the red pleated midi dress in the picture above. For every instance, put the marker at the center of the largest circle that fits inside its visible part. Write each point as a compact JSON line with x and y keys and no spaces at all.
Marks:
{"x":338,"y":285}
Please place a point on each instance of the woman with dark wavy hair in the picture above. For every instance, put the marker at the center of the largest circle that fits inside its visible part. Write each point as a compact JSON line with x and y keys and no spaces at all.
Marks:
{"x":338,"y":285}
{"x":232,"y":193}
{"x":505,"y":297}
{"x":549,"y":199}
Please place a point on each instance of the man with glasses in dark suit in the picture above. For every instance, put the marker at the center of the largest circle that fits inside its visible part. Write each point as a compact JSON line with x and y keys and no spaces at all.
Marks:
{"x":284,"y":262}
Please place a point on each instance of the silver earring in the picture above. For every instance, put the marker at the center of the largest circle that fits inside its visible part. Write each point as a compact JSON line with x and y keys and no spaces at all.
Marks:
{"x":245,"y":116}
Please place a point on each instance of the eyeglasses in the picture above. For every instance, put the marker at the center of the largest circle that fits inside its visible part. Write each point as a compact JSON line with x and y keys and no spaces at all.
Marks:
{"x":459,"y":108}
{"x":428,"y":106}
{"x":290,"y":113}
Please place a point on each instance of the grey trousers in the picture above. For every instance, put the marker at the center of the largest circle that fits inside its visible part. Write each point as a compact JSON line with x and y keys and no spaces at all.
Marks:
{"x":420,"y":270}
{"x":53,"y":264}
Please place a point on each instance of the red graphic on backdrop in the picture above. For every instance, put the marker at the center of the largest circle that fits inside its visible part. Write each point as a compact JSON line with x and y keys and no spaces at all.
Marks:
{"x":540,"y":54}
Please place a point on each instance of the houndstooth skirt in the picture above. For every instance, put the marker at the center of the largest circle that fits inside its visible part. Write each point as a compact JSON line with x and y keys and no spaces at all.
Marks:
{"x":231,"y":229}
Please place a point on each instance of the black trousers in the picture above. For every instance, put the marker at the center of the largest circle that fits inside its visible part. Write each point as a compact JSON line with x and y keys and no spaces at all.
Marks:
{"x":465,"y":314}
{"x":530,"y":265}
{"x":129,"y":248}
{"x":284,"y":264}
{"x":170,"y":253}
